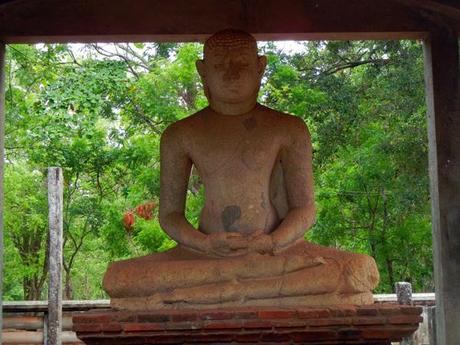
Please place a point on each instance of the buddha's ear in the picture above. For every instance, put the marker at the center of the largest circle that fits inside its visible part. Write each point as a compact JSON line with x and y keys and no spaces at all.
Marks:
{"x":200,"y":68}
{"x":262,"y":62}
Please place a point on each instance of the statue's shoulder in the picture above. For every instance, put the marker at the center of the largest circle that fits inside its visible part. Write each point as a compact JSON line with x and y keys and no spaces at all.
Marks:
{"x":183,"y":127}
{"x":286,"y":122}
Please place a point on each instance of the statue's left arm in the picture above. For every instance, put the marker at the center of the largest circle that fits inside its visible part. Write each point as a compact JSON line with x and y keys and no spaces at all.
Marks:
{"x":296,"y":162}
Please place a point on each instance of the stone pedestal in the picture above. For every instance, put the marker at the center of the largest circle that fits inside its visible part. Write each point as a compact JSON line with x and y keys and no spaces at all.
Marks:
{"x":377,"y":324}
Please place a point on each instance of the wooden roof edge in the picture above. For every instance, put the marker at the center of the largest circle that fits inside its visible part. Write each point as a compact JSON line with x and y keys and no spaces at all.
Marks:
{"x":53,"y":21}
{"x":448,"y":11}
{"x":329,"y":36}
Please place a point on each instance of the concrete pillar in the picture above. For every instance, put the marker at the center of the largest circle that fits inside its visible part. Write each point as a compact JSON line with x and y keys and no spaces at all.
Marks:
{"x":55,"y":205}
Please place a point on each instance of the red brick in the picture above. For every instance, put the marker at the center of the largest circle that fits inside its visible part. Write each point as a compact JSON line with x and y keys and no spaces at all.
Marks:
{"x":153,"y":317}
{"x":289,"y":323}
{"x":116,"y":315}
{"x":248,"y":337}
{"x":162,"y":339}
{"x":126,"y":318}
{"x":369,"y":321}
{"x":95,"y":318}
{"x":343,"y":310}
{"x":379,"y":334}
{"x":186,"y":325}
{"x":410,"y":310}
{"x":277,"y":314}
{"x":143,"y":327}
{"x":87,"y":327}
{"x":338,"y":321}
{"x":313,"y":313}
{"x":404,"y":319}
{"x":111,"y":327}
{"x":389,"y":309}
{"x":393,"y":333}
{"x":210,"y":338}
{"x":224,"y":325}
{"x":216,"y":315}
{"x":349,"y":333}
{"x":184,"y":317}
{"x":274,"y":337}
{"x":367,"y":311}
{"x":245,"y":315}
{"x":313,"y":335}
{"x":257,"y":324}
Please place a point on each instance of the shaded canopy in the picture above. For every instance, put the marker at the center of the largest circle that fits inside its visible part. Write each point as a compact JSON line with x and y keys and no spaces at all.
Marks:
{"x":184,"y":20}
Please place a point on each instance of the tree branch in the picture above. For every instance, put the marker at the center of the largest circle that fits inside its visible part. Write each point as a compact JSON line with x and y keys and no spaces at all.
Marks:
{"x":140,"y":113}
{"x":354,"y":64}
{"x":127,"y":61}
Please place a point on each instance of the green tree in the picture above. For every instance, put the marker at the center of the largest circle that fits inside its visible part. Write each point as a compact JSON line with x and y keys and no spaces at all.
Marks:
{"x":26,"y":225}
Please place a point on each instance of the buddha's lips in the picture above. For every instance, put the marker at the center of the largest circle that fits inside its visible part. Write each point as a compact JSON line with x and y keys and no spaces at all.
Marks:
{"x":233,"y":87}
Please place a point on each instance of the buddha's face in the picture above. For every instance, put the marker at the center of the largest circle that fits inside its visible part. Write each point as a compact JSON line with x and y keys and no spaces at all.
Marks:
{"x":233,"y":74}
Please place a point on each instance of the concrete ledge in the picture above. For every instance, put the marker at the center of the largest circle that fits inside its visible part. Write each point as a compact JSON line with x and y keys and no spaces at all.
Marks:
{"x":377,"y":324}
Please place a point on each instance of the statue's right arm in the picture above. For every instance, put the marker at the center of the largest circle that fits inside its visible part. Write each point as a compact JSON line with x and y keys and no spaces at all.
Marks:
{"x":175,"y":166}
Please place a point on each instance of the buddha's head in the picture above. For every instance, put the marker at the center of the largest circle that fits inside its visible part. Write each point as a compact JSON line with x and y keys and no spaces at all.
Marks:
{"x":231,"y":69}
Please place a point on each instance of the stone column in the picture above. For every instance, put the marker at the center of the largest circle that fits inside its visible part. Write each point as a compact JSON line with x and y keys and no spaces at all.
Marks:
{"x":55,"y":205}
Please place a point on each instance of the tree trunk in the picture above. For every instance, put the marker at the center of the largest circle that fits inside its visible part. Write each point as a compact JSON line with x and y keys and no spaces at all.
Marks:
{"x":391,"y":278}
{"x":31,"y":290}
{"x":68,"y":289}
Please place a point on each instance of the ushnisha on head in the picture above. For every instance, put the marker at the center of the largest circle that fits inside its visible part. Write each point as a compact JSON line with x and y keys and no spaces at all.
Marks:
{"x":231,"y":71}
{"x":229,"y":39}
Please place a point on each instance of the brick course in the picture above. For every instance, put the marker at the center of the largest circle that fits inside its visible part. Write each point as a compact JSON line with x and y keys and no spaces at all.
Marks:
{"x":372,"y":324}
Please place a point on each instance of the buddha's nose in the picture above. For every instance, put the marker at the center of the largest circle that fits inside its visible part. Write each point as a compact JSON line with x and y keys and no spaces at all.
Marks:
{"x":232,"y":72}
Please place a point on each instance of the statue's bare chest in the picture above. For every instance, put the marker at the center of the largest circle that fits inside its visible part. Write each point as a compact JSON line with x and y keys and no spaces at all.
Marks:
{"x":232,"y":146}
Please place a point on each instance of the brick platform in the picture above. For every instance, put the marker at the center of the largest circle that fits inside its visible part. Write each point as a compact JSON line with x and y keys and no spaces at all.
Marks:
{"x":377,"y":324}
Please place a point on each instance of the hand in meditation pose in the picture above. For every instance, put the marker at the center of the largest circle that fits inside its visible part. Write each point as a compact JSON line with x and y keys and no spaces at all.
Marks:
{"x":256,"y":167}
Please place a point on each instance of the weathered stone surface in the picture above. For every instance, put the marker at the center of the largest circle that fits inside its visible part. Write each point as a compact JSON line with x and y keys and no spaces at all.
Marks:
{"x":326,"y":325}
{"x":256,"y":167}
{"x":403,"y":292}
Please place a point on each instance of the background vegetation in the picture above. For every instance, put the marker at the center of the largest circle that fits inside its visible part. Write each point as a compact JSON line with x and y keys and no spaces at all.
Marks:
{"x":98,"y":111}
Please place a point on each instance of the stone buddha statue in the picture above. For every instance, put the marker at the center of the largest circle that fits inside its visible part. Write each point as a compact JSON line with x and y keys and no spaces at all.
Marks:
{"x":256,"y":167}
